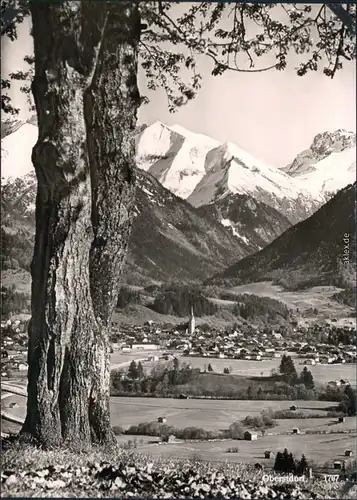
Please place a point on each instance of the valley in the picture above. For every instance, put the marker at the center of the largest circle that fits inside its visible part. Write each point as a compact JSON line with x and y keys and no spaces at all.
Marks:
{"x":256,"y":252}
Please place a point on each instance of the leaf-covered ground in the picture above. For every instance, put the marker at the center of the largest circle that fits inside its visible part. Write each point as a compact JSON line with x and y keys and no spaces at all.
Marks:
{"x":30,"y":472}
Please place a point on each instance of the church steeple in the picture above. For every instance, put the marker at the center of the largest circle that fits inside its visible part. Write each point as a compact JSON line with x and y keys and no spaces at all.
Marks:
{"x":191,"y":323}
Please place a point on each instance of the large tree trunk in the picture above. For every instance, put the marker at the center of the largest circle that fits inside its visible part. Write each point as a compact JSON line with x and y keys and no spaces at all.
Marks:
{"x":86,"y":96}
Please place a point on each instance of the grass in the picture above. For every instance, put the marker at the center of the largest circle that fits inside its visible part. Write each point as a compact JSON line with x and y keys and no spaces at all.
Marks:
{"x":209,"y":414}
{"x":319,"y":297}
{"x":214,"y":415}
{"x":154,"y":477}
{"x":321,"y":373}
{"x":326,"y":448}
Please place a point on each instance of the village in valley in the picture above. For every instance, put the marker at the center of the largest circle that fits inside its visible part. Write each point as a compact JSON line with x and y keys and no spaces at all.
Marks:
{"x":311,"y":344}
{"x":237,"y":356}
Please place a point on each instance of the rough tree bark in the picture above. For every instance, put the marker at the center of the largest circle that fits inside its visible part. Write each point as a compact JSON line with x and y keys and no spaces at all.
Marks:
{"x":86,"y":96}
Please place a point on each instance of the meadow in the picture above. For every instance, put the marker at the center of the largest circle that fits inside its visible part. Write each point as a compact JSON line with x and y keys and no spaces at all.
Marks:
{"x":208,"y":414}
{"x":219,"y":415}
{"x":322,"y":373}
{"x":319,"y":297}
{"x":320,"y":451}
{"x":120,"y":359}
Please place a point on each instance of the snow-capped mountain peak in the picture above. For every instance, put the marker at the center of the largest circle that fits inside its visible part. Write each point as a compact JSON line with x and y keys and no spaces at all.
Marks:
{"x":19,"y":141}
{"x":323,"y":145}
{"x":328,"y":165}
{"x":174,"y":155}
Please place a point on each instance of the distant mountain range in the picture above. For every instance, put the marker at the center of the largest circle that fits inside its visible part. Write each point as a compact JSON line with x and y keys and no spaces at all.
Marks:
{"x":204,"y":171}
{"x":170,"y":238}
{"x":201,"y":205}
{"x":310,"y":252}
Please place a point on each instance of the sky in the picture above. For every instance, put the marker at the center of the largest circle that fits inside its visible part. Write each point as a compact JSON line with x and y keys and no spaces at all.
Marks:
{"x":272,"y":115}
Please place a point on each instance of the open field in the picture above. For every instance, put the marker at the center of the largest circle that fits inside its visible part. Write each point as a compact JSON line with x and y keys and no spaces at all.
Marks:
{"x":322,"y":449}
{"x":216,"y":415}
{"x":316,"y":297}
{"x":208,"y":414}
{"x":321,"y":373}
{"x":120,"y":358}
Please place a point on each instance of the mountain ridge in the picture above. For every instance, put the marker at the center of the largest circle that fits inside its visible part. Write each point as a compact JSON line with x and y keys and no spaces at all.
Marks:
{"x":170,"y":239}
{"x":310,"y":251}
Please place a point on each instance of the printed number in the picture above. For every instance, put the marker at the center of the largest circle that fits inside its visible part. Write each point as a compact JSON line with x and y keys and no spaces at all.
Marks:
{"x":331,"y":478}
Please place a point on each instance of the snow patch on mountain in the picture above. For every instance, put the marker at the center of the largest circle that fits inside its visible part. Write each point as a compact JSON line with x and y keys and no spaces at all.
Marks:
{"x":322,"y":146}
{"x":16,"y":151}
{"x":232,"y":170}
{"x":174,"y":156}
{"x":332,"y":173}
{"x":328,"y":165}
{"x":229,"y":223}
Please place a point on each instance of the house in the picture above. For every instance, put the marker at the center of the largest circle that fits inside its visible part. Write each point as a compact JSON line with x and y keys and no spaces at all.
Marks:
{"x":296,"y":430}
{"x":161,"y":420}
{"x":337,"y":464}
{"x":142,"y":347}
{"x":268,"y":454}
{"x":348,"y":453}
{"x":341,"y":420}
{"x":258,"y":466}
{"x":250,"y":436}
{"x":293,"y":408}
{"x":168,"y":439}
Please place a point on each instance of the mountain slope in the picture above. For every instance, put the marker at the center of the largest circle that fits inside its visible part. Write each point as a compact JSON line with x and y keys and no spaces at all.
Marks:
{"x":312,"y":250}
{"x":170,"y":239}
{"x":232,"y":170}
{"x":253,"y":222}
{"x":323,"y":145}
{"x":174,"y":156}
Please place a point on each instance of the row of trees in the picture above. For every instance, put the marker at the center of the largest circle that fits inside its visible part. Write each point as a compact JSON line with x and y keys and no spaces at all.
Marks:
{"x":341,"y":337}
{"x":16,"y":251}
{"x":177,"y":301}
{"x":13,"y":302}
{"x":128,"y":296}
{"x":286,"y":463}
{"x":172,"y":378}
{"x":250,"y":306}
{"x":289,"y":374}
{"x":349,"y":402}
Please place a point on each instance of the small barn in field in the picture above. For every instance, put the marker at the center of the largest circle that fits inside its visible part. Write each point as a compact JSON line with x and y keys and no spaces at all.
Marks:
{"x":161,"y":420}
{"x":348,"y":453}
{"x":341,"y":420}
{"x":338,"y":464}
{"x":296,"y":430}
{"x":268,"y":454}
{"x":168,"y":439}
{"x":250,"y":436}
{"x":293,"y":408}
